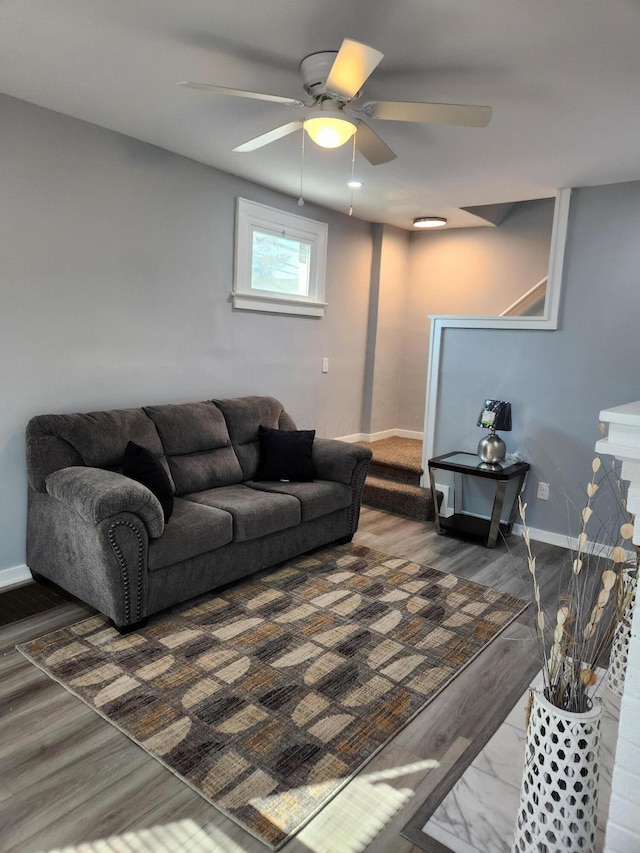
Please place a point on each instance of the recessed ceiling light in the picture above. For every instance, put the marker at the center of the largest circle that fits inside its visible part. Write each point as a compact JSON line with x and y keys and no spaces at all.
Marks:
{"x":429,"y":222}
{"x":354,"y":184}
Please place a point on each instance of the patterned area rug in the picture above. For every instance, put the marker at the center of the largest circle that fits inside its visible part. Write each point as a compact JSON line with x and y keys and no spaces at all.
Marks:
{"x":269,"y":695}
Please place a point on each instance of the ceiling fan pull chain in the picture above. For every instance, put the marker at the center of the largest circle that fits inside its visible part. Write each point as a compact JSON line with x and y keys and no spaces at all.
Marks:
{"x":353,"y":173}
{"x":301,"y":199}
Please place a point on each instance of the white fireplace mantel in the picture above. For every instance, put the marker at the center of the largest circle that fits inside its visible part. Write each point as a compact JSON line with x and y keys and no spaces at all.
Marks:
{"x":623,"y":826}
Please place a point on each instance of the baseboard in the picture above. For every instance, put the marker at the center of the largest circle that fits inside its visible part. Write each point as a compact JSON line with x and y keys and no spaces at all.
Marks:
{"x":378,"y":436}
{"x":568,"y":542}
{"x":14,"y":575}
{"x":548,"y":537}
{"x":409,"y":433}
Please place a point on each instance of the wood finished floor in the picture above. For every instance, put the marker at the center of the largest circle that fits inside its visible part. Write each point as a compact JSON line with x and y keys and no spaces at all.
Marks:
{"x":28,"y":600}
{"x":67,"y":777}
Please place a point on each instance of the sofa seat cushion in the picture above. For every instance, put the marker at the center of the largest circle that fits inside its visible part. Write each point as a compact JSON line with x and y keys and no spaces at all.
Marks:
{"x":255,"y":513}
{"x":194,"y":529}
{"x":318,"y":498}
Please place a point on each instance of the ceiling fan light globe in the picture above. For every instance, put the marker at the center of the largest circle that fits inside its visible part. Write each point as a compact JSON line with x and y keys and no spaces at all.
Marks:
{"x":329,"y":131}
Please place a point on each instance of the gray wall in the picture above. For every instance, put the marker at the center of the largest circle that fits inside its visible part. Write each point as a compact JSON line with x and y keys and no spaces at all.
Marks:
{"x":116,"y":263}
{"x":389,"y":278}
{"x":470,"y":271}
{"x":558,"y":381}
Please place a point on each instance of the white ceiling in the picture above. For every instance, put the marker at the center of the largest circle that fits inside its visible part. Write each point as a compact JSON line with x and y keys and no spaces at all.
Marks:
{"x":562,"y":77}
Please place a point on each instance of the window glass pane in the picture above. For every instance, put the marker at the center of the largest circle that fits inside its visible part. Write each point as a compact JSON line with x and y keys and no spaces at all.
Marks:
{"x":280,"y":264}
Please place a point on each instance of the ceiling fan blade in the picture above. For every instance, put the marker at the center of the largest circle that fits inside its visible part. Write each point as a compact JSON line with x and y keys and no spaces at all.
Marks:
{"x":369,"y":144}
{"x":351,"y":68}
{"x":270,"y":136}
{"x":463,"y":114}
{"x":242,"y":93}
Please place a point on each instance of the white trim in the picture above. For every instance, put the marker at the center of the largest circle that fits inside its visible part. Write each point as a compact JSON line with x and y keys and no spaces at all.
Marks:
{"x":548,"y":321}
{"x":378,"y":436}
{"x":556,"y":256}
{"x":409,"y":433}
{"x":628,"y":414}
{"x":251,"y":217}
{"x":562,"y":540}
{"x":357,"y":436}
{"x":14,"y":575}
{"x":431,"y":403}
{"x":252,"y":302}
{"x":548,"y":537}
{"x":620,"y":451}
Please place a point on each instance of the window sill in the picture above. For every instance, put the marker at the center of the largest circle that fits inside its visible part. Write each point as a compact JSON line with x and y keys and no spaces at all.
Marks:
{"x":278,"y":304}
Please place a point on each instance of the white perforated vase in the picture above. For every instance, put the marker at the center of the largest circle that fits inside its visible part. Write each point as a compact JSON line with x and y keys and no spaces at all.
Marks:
{"x":620,"y":643}
{"x":559,"y":794}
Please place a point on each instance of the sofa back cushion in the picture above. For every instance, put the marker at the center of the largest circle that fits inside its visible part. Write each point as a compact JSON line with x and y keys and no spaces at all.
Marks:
{"x":200,"y":445}
{"x":244,"y":415}
{"x":197,"y":445}
{"x":97,"y":439}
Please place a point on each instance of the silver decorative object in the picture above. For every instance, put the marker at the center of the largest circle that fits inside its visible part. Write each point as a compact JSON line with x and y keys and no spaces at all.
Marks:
{"x":491,"y":449}
{"x":495,"y":414}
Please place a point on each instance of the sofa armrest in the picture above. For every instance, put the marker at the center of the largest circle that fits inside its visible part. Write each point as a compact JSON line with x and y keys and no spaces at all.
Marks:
{"x":95,"y":494}
{"x":337,"y":460}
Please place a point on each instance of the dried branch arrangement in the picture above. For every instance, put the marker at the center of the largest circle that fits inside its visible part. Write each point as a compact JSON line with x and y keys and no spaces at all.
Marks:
{"x":594,"y":600}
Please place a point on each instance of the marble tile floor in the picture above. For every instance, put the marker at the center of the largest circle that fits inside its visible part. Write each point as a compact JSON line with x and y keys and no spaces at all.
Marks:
{"x":479,"y":813}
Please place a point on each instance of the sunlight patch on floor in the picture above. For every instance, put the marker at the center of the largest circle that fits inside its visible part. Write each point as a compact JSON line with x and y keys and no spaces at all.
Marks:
{"x":347,"y":824}
{"x":184,"y":836}
{"x":360,"y":811}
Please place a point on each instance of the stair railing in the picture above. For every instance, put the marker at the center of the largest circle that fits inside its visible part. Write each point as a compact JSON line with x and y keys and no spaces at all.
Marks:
{"x":533,"y":295}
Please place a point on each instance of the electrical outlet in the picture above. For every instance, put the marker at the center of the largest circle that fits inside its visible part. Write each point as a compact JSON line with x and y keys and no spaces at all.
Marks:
{"x":325,"y":365}
{"x":543,"y":491}
{"x":446,"y":510}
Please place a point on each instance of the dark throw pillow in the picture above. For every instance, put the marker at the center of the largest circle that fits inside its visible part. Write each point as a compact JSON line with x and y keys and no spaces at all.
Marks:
{"x":144,"y":466}
{"x":285,"y":454}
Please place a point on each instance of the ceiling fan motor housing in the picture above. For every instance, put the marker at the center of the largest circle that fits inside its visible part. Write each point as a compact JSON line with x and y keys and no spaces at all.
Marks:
{"x":315,"y":70}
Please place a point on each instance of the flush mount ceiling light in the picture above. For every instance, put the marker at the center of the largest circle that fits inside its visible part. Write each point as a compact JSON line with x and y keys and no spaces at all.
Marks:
{"x":330,"y":129}
{"x":429,"y":222}
{"x":354,"y":184}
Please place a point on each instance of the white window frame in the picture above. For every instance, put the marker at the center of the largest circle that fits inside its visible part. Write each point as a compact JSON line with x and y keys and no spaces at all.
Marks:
{"x":251,"y":216}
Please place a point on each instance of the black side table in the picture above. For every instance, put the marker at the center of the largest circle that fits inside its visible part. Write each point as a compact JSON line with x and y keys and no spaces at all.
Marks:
{"x":467,"y":523}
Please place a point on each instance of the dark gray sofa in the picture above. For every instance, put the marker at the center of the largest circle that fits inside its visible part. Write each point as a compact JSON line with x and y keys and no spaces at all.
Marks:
{"x":102,"y":536}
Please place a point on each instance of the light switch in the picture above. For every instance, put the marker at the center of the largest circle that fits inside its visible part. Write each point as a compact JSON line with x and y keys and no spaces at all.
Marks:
{"x":325,"y":365}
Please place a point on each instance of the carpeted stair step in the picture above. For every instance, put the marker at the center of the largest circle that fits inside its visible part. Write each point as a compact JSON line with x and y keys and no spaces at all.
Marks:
{"x":398,"y":473}
{"x":398,"y":459}
{"x":401,"y":498}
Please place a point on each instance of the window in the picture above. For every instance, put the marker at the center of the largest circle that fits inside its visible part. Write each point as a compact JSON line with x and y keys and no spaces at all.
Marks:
{"x":280,"y":261}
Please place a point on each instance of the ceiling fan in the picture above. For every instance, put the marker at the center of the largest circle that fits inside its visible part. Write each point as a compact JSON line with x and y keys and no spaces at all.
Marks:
{"x":333,"y":81}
